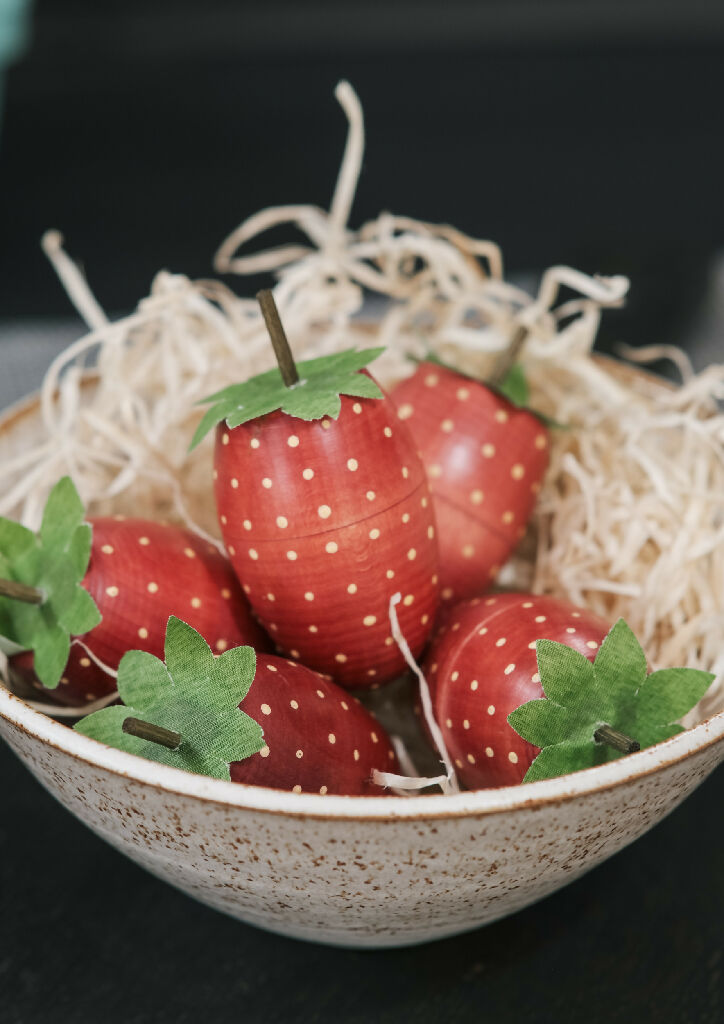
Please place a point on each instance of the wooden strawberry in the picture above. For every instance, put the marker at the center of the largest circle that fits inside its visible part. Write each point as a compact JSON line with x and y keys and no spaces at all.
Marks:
{"x":130,"y":575}
{"x":325,"y":511}
{"x":485,"y":458}
{"x":297,"y":731}
{"x":494,"y":659}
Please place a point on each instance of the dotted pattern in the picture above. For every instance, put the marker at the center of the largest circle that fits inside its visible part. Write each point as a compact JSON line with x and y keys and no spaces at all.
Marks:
{"x":482,"y":664}
{"x":319,"y":739}
{"x":346,"y":522}
{"x":140,"y":572}
{"x":485,"y":460}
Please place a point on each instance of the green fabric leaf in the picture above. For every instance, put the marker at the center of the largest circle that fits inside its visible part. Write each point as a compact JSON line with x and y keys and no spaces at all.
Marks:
{"x":321,"y":382}
{"x":514,"y":386}
{"x":615,"y":690}
{"x":195,"y":693}
{"x":54,"y":561}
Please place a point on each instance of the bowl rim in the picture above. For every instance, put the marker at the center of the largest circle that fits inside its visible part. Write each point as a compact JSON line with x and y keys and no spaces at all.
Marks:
{"x":474,"y":803}
{"x":531,"y":795}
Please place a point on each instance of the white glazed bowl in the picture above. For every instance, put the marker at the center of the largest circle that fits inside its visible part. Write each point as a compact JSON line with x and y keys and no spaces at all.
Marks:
{"x":354,"y":871}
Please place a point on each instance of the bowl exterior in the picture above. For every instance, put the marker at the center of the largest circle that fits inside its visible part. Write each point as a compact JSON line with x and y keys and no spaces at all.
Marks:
{"x":356,"y":882}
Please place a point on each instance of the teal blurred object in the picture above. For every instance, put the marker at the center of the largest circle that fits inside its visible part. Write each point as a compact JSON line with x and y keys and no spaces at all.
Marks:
{"x":14,"y":34}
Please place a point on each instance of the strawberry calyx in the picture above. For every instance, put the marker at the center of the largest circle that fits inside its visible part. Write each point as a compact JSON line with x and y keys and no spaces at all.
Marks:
{"x":309,"y":390}
{"x":183,"y":711}
{"x":594,"y":712}
{"x":42,"y":601}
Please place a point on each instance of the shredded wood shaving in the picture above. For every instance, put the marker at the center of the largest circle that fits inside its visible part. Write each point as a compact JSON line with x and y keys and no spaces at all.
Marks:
{"x":631,"y":518}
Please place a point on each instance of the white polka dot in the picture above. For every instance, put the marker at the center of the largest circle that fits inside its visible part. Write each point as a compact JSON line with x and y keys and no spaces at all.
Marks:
{"x":357,"y":408}
{"x":296,"y":789}
{"x":488,"y":450}
{"x":341,"y":658}
{"x":434,"y":471}
{"x":373,"y":737}
{"x":247,"y":524}
{"x":541,"y":441}
{"x":540,"y":618}
{"x":489,"y":751}
{"x":575,"y":615}
{"x":387,"y":432}
{"x":266,"y":482}
{"x":195,"y":602}
{"x":501,"y":416}
{"x":324,"y":511}
{"x":535,"y":678}
{"x":509,"y":669}
{"x":355,"y":755}
{"x":477,"y":497}
{"x":270,"y":597}
{"x":293,"y":705}
{"x":593,"y":644}
{"x":531,"y":645}
{"x":309,"y":596}
{"x":307,"y":474}
{"x":500,"y":642}
{"x":527,"y":604}
{"x":462,"y":394}
{"x":570,"y":629}
{"x":508,"y":517}
{"x":265,"y":709}
{"x":107,"y":549}
{"x":390,"y":574}
{"x":282,"y":522}
{"x":255,"y":442}
{"x":412,"y":554}
{"x":313,"y":629}
{"x":293,"y":441}
{"x":143,"y":633}
{"x":405,"y":472}
{"x":471,"y":759}
{"x":423,"y":502}
{"x":468,"y":551}
{"x":112,"y":591}
{"x":424,"y":619}
{"x":407,"y":600}
{"x":482,"y":631}
{"x":370,"y":495}
{"x":224,"y":438}
{"x":447,"y":426}
{"x":369,"y":620}
{"x":322,"y":790}
{"x":447,"y":593}
{"x":253,"y":554}
{"x":221,"y":645}
{"x":513,"y":757}
{"x":491,"y":709}
{"x":152,"y":588}
{"x":224,"y":520}
{"x":331,"y":547}
{"x":332,"y":738}
{"x":466,"y":723}
{"x":405,"y":517}
{"x":474,"y":684}
{"x":490,"y":600}
{"x":226,"y":593}
{"x":374,"y":534}
{"x":352,"y":465}
{"x":234,"y":482}
{"x":352,"y":588}
{"x":264,"y":752}
{"x":518,"y":471}
{"x":455,"y":676}
{"x":300,"y":753}
{"x":231,"y":549}
{"x":292,"y":556}
{"x":85,"y":662}
{"x":144,"y":541}
{"x":326,"y":424}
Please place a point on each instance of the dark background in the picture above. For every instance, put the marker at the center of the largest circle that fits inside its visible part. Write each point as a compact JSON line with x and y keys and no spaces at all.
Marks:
{"x":586,"y":132}
{"x":577,"y":131}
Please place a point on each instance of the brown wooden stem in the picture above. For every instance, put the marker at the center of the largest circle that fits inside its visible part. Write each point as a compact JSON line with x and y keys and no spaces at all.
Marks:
{"x":278,"y":337}
{"x":509,"y":357}
{"x":154,"y":733}
{"x":614,"y":738}
{"x":21,"y":592}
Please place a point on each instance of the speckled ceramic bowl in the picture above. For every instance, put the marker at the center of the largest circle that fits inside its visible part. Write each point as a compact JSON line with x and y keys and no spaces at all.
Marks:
{"x":354,"y":871}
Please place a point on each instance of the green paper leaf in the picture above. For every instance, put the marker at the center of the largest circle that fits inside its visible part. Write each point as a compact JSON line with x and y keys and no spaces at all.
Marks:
{"x":321,"y":382}
{"x":195,"y":693}
{"x":54,"y":561}
{"x":615,"y":690}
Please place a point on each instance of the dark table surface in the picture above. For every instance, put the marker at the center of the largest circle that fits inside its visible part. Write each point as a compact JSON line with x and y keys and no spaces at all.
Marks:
{"x":88,"y":937}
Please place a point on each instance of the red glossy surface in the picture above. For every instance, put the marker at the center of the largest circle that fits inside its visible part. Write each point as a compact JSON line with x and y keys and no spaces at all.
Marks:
{"x":140,"y":572}
{"x":319,"y":739}
{"x":324,"y":521}
{"x":482,"y":665}
{"x":485,"y":460}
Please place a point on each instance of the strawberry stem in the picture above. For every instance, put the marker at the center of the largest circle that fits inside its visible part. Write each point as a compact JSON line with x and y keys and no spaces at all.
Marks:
{"x":614,"y":738}
{"x":509,"y":357}
{"x":154,"y":733}
{"x":282,"y":351}
{"x":21,"y":592}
